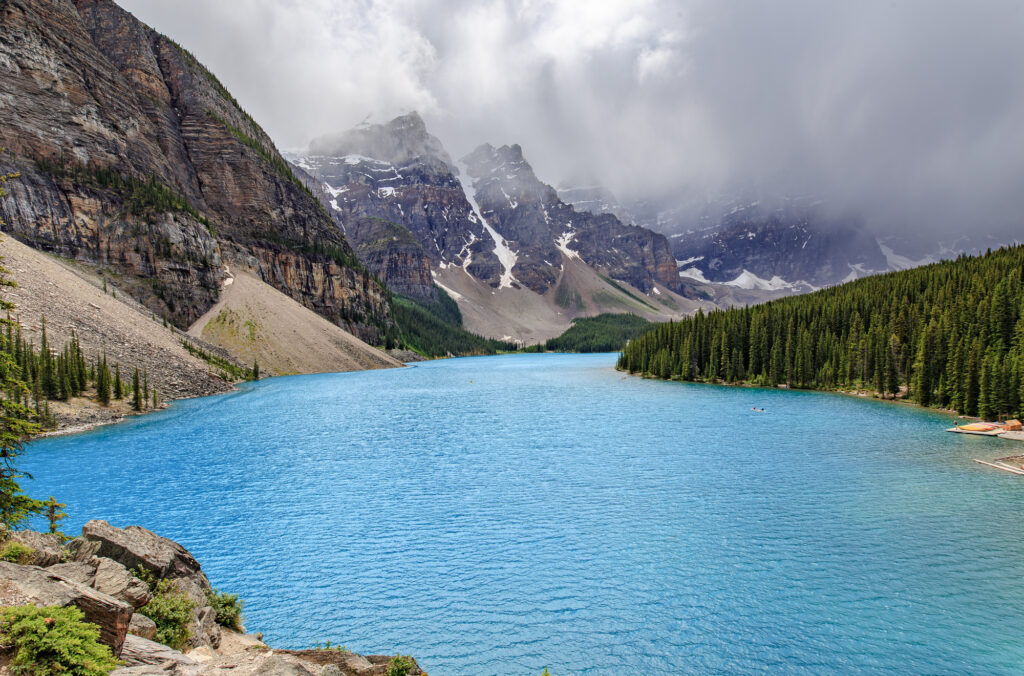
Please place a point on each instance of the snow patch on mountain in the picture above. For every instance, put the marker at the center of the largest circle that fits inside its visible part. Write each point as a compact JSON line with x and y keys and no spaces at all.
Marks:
{"x":562,"y":244}
{"x":694,"y":273}
{"x":748,"y":280}
{"x":505,"y":255}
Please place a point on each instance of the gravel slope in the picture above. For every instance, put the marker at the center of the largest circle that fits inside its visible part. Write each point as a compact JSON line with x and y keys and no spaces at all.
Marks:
{"x":252,"y":321}
{"x":71,"y":298}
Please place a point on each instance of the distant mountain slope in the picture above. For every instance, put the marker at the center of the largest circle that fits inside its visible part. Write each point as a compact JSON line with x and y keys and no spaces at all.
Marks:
{"x":134,"y":157}
{"x":792,"y":245}
{"x":540,"y":227}
{"x":398,"y":172}
{"x":518,"y":273}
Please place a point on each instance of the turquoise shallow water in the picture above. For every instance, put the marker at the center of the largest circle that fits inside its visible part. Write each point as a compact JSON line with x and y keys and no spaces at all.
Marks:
{"x":500,"y":515}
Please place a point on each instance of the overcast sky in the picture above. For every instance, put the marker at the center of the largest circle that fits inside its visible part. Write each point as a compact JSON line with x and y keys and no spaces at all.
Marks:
{"x":911,"y":112}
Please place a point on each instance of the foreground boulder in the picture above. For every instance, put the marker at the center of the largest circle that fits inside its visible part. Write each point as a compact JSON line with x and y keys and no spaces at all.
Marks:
{"x":23,"y":585}
{"x":107,"y":576}
{"x":114,"y":552}
{"x":137,"y":547}
{"x":140,"y":651}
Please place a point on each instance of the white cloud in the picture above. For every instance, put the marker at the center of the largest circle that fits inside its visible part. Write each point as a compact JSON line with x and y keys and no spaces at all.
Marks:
{"x":909,"y":111}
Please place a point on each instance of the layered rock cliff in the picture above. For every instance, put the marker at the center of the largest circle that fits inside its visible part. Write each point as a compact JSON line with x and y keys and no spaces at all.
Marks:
{"x":134,"y":158}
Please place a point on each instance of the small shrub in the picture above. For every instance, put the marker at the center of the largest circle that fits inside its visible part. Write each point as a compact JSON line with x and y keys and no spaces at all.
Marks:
{"x":171,"y":610}
{"x":16,"y":552}
{"x":53,"y":641}
{"x":400,"y":665}
{"x":228,"y":608}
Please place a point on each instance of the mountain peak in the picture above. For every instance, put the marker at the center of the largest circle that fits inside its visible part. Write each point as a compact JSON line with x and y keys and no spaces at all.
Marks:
{"x":398,"y":141}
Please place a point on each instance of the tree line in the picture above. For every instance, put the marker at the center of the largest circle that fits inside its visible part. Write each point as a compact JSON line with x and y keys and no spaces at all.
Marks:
{"x":950,"y":334}
{"x":45,"y":374}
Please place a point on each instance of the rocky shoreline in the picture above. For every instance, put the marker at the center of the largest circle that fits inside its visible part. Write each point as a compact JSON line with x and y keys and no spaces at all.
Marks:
{"x":101,"y":574}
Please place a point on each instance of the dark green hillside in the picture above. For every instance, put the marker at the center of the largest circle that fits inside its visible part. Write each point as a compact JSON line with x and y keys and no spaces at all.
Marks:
{"x":606,"y":332}
{"x":951,"y":333}
{"x":435,"y":329}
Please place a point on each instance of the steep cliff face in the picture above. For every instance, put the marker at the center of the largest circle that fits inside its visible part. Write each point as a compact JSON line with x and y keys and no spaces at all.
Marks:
{"x":394,"y":255}
{"x":539,"y":227}
{"x":135,"y":158}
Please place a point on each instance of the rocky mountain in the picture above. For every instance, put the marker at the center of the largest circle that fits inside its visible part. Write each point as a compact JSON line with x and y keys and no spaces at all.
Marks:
{"x":793,"y":246}
{"x":519,"y":261}
{"x":539,"y":226}
{"x":135,"y":159}
{"x":400,"y":174}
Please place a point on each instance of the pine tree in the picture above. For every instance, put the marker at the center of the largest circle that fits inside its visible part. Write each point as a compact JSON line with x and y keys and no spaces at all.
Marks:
{"x":103,"y":383}
{"x":118,"y":386}
{"x":136,"y":391}
{"x":54,"y":514}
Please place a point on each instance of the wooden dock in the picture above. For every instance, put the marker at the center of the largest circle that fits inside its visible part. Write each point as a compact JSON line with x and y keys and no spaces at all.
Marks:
{"x":990,"y":433}
{"x":1001,"y":465}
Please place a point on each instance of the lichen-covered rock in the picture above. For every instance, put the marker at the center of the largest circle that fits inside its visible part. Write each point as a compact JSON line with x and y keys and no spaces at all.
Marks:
{"x":46,"y":547}
{"x":20,"y":585}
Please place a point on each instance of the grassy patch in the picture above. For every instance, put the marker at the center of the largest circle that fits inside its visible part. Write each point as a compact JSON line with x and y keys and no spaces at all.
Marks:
{"x":227,"y":370}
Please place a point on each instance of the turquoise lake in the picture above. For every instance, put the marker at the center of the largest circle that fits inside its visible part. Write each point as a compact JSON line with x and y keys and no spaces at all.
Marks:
{"x":499,"y":515}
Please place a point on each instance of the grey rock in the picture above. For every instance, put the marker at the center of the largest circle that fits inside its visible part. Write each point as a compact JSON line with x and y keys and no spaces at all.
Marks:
{"x":204,"y":628}
{"x":140,"y":651}
{"x":82,"y":573}
{"x":114,"y":579}
{"x":276,"y":666}
{"x":142,"y":626}
{"x":46,"y":547}
{"x":80,"y":550}
{"x":30,"y":584}
{"x":135,"y":547}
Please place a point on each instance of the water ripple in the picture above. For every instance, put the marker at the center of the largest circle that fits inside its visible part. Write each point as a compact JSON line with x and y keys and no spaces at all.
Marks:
{"x":502,"y":515}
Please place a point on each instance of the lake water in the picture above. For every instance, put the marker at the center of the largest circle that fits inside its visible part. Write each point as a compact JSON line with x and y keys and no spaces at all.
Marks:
{"x":499,"y":515}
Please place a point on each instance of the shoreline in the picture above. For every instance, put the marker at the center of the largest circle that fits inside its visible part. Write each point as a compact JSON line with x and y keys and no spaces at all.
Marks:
{"x":115,"y":416}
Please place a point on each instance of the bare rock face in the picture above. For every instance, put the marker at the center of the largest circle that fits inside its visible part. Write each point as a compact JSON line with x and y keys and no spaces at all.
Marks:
{"x":134,"y":547}
{"x":46,"y":547}
{"x":133,"y":157}
{"x":394,"y":255}
{"x":21,"y":585}
{"x":140,"y":651}
{"x":114,"y":579}
{"x":539,"y":226}
{"x":400,"y":173}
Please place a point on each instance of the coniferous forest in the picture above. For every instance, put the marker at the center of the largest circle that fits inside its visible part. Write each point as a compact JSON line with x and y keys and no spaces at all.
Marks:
{"x":949,"y":335}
